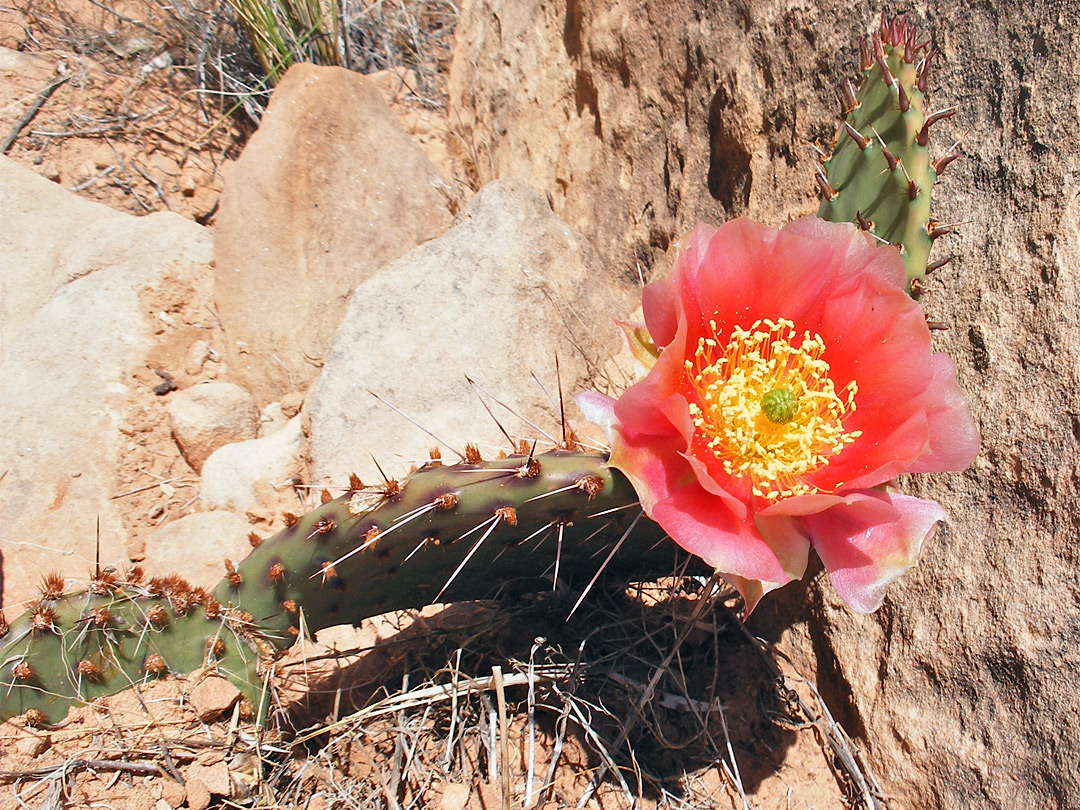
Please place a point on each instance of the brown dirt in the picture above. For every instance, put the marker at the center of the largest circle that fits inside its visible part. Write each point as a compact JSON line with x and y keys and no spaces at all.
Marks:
{"x":127,"y":127}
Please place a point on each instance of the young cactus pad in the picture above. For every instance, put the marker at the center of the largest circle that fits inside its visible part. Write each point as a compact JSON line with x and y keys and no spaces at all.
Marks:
{"x":472,"y":530}
{"x":880,"y":174}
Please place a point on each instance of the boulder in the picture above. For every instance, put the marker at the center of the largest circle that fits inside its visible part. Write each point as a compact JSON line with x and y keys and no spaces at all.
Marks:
{"x":197,"y":545}
{"x":74,"y":361}
{"x":256,"y":473}
{"x":328,"y":190}
{"x":496,"y":298}
{"x":211,"y":697}
{"x":37,"y":258}
{"x":207,"y":416}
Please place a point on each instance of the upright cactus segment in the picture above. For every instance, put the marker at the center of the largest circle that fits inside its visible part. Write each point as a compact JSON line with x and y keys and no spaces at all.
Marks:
{"x":462,"y":531}
{"x":880,"y":174}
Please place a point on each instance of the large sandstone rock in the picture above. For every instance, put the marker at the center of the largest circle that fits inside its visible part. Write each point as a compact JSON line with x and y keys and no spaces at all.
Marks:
{"x":327,"y":190}
{"x":197,"y":545}
{"x":640,"y":118}
{"x":495,"y":298}
{"x":77,"y":341}
{"x":36,"y":256}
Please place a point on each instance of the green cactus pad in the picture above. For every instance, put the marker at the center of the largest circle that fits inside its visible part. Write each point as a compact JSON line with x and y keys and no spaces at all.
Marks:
{"x":444,"y":533}
{"x":83,"y":645}
{"x":880,"y":174}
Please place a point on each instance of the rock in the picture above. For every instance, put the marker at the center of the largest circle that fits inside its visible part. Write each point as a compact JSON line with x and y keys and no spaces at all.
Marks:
{"x":291,"y":404}
{"x":426,"y":125}
{"x":172,"y":792}
{"x":328,"y":190}
{"x":34,"y":745}
{"x":272,"y":419}
{"x":198,"y":795}
{"x":37,"y":259}
{"x":495,"y":298}
{"x":211,"y":697}
{"x":216,"y":778}
{"x":188,"y":183}
{"x":456,"y":796}
{"x":80,"y":295}
{"x":197,"y":356}
{"x":195,"y":546}
{"x":208,"y":416}
{"x":259,"y":472}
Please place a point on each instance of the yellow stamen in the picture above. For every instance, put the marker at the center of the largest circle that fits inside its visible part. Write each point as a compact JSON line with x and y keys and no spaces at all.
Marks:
{"x":752,"y":429}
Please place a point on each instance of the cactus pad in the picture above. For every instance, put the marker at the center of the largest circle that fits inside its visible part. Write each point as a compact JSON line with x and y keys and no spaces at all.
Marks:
{"x":880,"y":174}
{"x":472,"y":530}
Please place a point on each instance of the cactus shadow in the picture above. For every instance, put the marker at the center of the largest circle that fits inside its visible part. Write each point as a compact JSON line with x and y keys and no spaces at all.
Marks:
{"x":593,"y":671}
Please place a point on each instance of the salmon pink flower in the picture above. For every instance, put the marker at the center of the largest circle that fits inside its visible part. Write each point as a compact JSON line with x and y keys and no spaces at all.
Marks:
{"x":792,"y":380}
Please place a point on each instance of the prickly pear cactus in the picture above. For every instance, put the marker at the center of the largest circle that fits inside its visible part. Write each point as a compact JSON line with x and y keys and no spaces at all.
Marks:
{"x":880,"y":174}
{"x":464,"y":531}
{"x":470,"y":530}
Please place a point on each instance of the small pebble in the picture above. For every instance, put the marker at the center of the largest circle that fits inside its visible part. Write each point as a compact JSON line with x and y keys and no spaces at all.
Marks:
{"x":33,"y":746}
{"x":213,"y":696}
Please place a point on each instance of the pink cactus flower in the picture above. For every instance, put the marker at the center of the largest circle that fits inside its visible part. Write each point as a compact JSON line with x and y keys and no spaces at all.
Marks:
{"x":794,"y":380}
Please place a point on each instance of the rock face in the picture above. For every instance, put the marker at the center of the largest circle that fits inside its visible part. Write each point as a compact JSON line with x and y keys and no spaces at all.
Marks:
{"x":642,"y":118}
{"x":77,"y":339}
{"x":208,"y":416}
{"x":496,"y":298}
{"x":328,"y":190}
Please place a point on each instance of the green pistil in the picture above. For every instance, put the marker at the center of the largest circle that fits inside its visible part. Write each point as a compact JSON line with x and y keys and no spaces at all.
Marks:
{"x":779,"y":406}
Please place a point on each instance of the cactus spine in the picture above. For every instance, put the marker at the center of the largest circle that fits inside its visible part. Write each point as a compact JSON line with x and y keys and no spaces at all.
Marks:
{"x":880,"y":174}
{"x":462,"y":531}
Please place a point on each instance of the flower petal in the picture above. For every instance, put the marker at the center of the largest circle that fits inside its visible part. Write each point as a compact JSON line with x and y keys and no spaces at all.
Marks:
{"x":865,"y":505}
{"x":703,"y":525}
{"x":791,"y":545}
{"x":637,"y":408}
{"x":954,"y":439}
{"x":600,"y":410}
{"x":641,"y":344}
{"x":660,"y":299}
{"x":652,"y":468}
{"x":863,"y":255}
{"x":877,"y":337}
{"x":863,"y":558}
{"x":751,"y":590}
{"x":753,"y":272}
{"x":788,"y":540}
